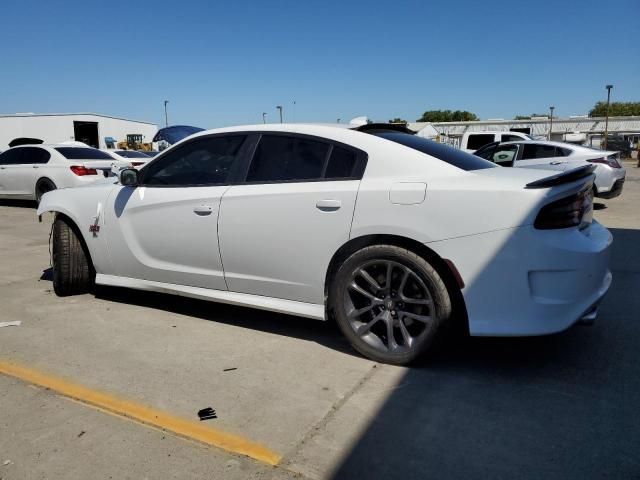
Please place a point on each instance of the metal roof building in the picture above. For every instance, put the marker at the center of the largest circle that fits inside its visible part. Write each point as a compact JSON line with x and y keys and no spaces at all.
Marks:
{"x":90,"y":128}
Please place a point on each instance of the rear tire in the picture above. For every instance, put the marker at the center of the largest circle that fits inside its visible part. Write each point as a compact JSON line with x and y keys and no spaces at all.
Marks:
{"x":43,"y":186}
{"x":72,"y":271}
{"x":389,"y":302}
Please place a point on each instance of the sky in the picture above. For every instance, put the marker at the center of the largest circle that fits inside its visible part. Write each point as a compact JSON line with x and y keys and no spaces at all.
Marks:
{"x":225,"y":63}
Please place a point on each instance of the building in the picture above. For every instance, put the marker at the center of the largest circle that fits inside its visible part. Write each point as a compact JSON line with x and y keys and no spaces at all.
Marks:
{"x":90,"y":128}
{"x":583,"y":130}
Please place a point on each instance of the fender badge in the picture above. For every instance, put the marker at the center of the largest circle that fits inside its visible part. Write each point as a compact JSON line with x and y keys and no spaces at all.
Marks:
{"x":94,"y":228}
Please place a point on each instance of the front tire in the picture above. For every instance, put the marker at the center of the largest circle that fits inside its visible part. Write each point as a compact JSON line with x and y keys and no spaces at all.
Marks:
{"x":72,"y":271}
{"x":389,"y":302}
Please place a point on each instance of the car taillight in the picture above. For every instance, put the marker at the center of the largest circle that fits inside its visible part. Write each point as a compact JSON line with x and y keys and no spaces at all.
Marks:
{"x":575,"y":210}
{"x":610,"y":160}
{"x":81,"y":171}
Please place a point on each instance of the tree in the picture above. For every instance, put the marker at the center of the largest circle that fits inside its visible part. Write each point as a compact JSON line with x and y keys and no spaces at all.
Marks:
{"x":616,"y":109}
{"x":398,"y":120}
{"x":448,"y":116}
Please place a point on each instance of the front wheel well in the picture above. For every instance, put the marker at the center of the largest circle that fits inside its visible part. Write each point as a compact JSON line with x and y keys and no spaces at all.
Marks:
{"x":450,"y":278}
{"x":76,"y":229}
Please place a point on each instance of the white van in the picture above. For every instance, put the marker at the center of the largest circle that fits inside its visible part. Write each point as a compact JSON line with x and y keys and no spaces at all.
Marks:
{"x":472,"y":141}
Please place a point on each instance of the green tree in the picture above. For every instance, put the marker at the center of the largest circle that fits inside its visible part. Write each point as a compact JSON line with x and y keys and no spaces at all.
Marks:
{"x":616,"y":109}
{"x":398,"y":120}
{"x":448,"y":116}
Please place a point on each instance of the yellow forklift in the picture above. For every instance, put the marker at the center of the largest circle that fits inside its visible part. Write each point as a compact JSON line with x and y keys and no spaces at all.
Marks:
{"x":134,"y":142}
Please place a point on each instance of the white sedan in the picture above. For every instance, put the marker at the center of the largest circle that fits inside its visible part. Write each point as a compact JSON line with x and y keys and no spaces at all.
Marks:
{"x":610,"y":174}
{"x":29,"y":171}
{"x":392,"y":235}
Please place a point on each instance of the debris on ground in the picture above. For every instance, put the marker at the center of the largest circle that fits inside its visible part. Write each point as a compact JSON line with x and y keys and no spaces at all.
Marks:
{"x":207,"y":414}
{"x":15,"y":323}
{"x":6,"y":462}
{"x":229,"y":369}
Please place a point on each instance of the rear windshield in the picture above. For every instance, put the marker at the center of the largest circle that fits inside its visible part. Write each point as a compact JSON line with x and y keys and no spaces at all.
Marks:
{"x":131,"y":154}
{"x":79,"y":153}
{"x":451,"y":155}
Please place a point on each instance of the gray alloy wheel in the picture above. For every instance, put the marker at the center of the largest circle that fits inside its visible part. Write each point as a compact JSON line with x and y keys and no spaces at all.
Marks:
{"x":389,"y":302}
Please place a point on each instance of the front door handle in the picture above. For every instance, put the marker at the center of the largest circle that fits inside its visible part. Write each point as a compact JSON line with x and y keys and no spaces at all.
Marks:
{"x":203,"y":210}
{"x":555,"y":163}
{"x":328,"y":205}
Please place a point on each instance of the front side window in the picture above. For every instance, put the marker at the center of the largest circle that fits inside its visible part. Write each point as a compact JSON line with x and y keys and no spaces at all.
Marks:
{"x":532,"y":151}
{"x":11,"y":157}
{"x":279,"y":158}
{"x":479,"y":140}
{"x":202,"y":161}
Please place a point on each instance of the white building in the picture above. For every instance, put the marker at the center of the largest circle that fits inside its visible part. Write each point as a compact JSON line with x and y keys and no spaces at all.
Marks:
{"x":89,"y":128}
{"x":581,"y":129}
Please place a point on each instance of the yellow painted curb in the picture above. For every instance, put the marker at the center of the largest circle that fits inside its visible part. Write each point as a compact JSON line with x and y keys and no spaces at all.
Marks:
{"x":143,"y":414}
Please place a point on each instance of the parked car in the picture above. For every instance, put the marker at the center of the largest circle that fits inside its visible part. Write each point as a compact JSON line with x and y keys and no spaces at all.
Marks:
{"x":135,"y":157}
{"x":167,"y":136}
{"x":472,"y":141}
{"x":610,"y":174}
{"x":29,"y":171}
{"x":393,"y":235}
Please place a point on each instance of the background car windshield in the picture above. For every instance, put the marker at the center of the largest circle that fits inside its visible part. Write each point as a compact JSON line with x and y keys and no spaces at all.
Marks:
{"x":131,"y":154}
{"x":78,"y":153}
{"x":452,"y":156}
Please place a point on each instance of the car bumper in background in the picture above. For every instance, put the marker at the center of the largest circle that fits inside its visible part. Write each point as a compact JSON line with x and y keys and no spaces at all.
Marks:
{"x":616,"y":189}
{"x":524,"y":281}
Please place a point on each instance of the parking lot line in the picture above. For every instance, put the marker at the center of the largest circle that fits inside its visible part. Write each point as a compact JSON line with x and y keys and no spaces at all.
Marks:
{"x":140,"y":413}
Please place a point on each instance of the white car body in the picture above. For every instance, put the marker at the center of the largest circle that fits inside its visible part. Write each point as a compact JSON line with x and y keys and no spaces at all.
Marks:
{"x":132,"y":157}
{"x":270,"y":245}
{"x":24,"y":168}
{"x":610,"y":174}
{"x":472,"y":141}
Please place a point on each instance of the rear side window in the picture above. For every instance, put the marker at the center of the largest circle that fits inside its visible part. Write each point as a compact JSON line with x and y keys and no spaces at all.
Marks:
{"x":341,"y":163}
{"x":532,"y":151}
{"x":450,"y":155}
{"x":35,"y":155}
{"x":80,"y":153}
{"x":202,"y":161}
{"x":562,"y":152}
{"x":280,"y":158}
{"x":478,"y":140}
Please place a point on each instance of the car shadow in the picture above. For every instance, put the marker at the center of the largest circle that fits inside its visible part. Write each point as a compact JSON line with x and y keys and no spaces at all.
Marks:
{"x":18,"y":203}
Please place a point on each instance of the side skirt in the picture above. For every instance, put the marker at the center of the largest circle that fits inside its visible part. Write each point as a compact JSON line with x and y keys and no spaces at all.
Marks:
{"x":291,"y":307}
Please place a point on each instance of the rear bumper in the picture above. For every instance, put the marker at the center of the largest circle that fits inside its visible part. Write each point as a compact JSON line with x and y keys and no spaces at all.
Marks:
{"x":616,"y":189}
{"x":523,"y":281}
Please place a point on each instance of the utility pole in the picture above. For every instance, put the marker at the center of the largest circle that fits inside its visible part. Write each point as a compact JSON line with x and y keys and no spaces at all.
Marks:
{"x":551,"y":125}
{"x":279,"y":107}
{"x":264,"y":117}
{"x":606,"y":121}
{"x":166,"y":118}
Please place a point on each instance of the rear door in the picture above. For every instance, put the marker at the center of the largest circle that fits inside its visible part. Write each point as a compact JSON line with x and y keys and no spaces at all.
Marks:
{"x":539,"y":155}
{"x":166,"y":229}
{"x":279,"y":230}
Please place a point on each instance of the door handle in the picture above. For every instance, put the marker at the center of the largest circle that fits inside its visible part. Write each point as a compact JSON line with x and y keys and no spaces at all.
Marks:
{"x":34,"y":166}
{"x":328,"y":205}
{"x":203,"y":210}
{"x":555,"y":163}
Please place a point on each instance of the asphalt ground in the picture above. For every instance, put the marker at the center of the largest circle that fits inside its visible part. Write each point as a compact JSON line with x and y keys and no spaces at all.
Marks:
{"x":110,"y":385}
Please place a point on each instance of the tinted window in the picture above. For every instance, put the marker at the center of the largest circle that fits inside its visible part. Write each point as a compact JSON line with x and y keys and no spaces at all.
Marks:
{"x":562,"y":152}
{"x":341,"y":163}
{"x":11,"y":157}
{"x":452,"y":156}
{"x":203,"y":161}
{"x":281,"y":158}
{"x":533,"y":151}
{"x":35,"y":155}
{"x":80,"y":153}
{"x":477,"y":140}
{"x":131,"y":154}
{"x":486,"y":152}
{"x":510,"y":138}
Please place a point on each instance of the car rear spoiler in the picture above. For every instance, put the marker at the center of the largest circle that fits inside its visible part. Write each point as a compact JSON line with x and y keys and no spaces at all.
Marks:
{"x":564,"y":177}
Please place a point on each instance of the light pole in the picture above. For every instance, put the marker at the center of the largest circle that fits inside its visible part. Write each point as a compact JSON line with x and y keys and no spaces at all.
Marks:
{"x":606,"y":120}
{"x":166,"y":118}
{"x":551,"y":125}
{"x":279,"y":107}
{"x":264,"y":117}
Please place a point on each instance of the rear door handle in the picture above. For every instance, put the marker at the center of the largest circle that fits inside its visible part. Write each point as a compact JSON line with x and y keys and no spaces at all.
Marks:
{"x":328,"y":205}
{"x":555,"y":163}
{"x":203,"y":210}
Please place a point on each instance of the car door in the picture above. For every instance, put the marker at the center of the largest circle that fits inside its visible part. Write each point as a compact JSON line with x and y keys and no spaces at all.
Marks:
{"x":540,"y":155}
{"x":166,"y":228}
{"x":19,"y":176}
{"x":7,"y":160}
{"x":279,"y":229}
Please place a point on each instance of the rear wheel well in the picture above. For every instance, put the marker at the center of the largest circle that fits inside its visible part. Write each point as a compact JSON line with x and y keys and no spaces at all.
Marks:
{"x":438,"y":263}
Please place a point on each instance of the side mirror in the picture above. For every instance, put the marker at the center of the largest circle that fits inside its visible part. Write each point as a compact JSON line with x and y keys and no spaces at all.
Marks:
{"x":128,"y":177}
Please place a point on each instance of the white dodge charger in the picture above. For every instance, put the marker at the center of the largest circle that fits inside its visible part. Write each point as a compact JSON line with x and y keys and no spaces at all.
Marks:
{"x":392,"y":235}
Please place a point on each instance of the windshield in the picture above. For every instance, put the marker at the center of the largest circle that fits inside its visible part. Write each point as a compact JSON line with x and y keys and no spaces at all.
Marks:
{"x":79,"y":153}
{"x":176,"y":133}
{"x":451,"y":155}
{"x":131,"y":154}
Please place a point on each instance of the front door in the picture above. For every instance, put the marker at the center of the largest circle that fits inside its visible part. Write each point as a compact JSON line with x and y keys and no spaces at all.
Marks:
{"x":17,"y":176}
{"x":166,"y":229}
